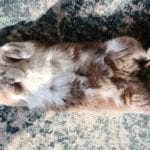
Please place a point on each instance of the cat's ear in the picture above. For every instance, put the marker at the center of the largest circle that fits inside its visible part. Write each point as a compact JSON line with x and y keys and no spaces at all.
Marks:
{"x":17,"y":50}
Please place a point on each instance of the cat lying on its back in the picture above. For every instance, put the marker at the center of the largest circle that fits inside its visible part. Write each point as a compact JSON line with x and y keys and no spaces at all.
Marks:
{"x":99,"y":75}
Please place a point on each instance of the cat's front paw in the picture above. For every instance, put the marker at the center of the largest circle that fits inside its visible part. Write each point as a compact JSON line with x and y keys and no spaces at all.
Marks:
{"x":14,"y":52}
{"x":12,"y":75}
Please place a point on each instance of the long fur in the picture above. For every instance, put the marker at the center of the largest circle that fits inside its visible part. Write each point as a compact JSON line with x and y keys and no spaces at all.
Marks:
{"x":110,"y":75}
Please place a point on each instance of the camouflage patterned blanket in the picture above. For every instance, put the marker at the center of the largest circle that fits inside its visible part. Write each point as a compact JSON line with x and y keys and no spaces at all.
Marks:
{"x":73,"y":20}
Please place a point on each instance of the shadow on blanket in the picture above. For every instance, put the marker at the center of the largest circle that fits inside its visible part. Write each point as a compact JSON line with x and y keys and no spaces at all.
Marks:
{"x":59,"y":26}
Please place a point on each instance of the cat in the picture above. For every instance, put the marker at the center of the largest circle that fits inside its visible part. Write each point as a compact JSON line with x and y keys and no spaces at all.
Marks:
{"x":110,"y":75}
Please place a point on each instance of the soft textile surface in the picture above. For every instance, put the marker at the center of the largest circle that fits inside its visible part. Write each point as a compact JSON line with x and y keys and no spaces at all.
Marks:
{"x":73,"y":20}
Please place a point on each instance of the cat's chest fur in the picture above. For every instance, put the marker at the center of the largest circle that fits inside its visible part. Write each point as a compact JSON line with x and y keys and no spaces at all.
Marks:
{"x":59,"y":76}
{"x":49,"y":73}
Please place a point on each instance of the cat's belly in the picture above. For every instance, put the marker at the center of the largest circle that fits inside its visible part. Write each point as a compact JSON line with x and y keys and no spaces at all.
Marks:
{"x":47,"y":87}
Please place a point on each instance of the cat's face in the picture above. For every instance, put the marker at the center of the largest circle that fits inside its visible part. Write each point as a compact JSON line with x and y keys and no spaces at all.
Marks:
{"x":122,"y":55}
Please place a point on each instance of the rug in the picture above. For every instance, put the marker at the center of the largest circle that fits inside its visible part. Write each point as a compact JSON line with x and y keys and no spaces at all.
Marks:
{"x":73,"y":20}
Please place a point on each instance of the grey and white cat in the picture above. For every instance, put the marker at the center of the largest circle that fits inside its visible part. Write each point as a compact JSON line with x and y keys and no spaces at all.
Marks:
{"x":62,"y":75}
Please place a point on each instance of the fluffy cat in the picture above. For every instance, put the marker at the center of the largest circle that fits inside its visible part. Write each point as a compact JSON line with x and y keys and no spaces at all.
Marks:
{"x":110,"y":75}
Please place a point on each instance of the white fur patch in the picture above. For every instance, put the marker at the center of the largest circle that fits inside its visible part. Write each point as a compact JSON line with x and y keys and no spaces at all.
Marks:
{"x":40,"y":91}
{"x":43,"y":75}
{"x":114,"y":45}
